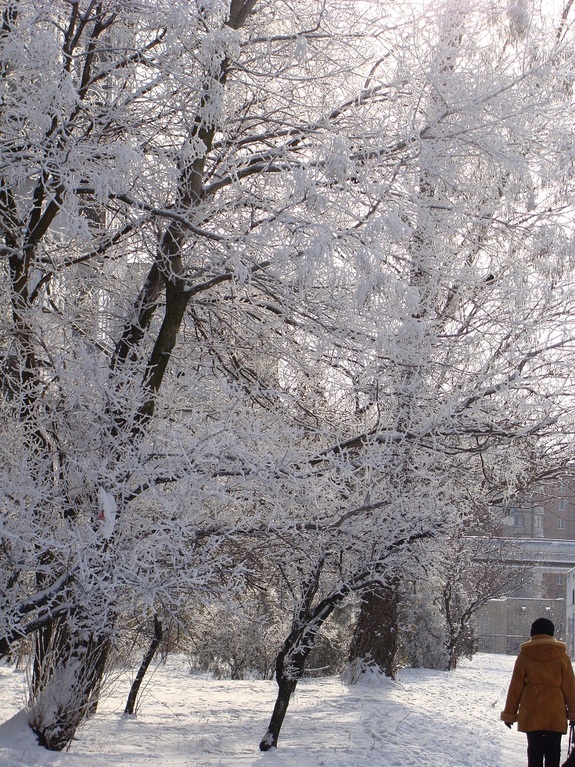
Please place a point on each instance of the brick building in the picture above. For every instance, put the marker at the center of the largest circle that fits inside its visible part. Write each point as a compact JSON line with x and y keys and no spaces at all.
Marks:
{"x":543,"y":527}
{"x":547,"y":513}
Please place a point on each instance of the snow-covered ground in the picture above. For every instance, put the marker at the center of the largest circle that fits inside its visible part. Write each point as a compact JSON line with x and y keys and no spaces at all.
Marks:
{"x":423,"y":719}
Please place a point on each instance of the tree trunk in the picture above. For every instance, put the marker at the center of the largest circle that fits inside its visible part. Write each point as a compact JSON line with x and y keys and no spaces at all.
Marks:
{"x":286,"y":687}
{"x":290,"y":664}
{"x":375,"y":639}
{"x":146,"y":660}
{"x":292,"y":657}
{"x":68,"y":671}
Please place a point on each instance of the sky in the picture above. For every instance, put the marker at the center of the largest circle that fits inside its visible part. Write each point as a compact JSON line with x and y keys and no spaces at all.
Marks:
{"x":423,"y":718}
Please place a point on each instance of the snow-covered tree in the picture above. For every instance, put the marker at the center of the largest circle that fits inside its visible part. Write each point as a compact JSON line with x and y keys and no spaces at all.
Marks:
{"x":133,"y":209}
{"x":165,"y":178}
{"x":464,"y":267}
{"x":277,"y":280}
{"x":438,"y":609}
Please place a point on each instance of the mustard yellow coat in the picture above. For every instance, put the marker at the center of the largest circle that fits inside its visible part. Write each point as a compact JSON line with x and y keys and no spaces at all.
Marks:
{"x":541,"y":694}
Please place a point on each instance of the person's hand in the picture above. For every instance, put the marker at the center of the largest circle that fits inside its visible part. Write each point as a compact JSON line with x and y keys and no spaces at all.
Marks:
{"x":508,"y":724}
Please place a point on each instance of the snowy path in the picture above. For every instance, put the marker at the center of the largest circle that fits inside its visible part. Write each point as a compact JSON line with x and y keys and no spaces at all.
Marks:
{"x":424,"y":719}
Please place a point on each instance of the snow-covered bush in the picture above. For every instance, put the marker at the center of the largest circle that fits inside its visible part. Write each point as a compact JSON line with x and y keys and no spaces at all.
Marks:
{"x":236,"y":644}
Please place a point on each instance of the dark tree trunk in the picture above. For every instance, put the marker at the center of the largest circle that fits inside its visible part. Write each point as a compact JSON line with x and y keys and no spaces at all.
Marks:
{"x":292,"y":657}
{"x":376,"y":635}
{"x":287,"y":682}
{"x":146,"y":660}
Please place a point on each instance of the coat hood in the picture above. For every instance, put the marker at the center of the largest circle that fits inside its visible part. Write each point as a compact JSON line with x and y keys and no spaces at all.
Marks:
{"x":542,"y":647}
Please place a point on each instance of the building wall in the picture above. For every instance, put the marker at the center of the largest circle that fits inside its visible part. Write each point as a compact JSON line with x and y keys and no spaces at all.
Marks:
{"x":501,"y":625}
{"x":538,"y":521}
{"x":554,"y":583}
{"x":547,"y":513}
{"x":559,"y":520}
{"x":526,"y":521}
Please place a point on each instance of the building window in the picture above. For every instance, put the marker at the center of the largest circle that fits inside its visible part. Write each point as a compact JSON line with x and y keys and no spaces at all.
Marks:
{"x":518,"y":519}
{"x":538,"y":522}
{"x":562,"y":504}
{"x":561,"y":524}
{"x":559,"y":579}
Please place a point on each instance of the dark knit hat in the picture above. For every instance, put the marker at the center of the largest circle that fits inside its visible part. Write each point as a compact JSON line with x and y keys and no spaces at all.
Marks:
{"x":542,"y":626}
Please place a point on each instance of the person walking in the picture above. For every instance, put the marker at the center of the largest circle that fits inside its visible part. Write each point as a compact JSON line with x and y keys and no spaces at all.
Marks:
{"x":541,"y":695}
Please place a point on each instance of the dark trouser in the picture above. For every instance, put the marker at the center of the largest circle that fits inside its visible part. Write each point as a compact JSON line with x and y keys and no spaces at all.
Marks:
{"x":543,"y":743}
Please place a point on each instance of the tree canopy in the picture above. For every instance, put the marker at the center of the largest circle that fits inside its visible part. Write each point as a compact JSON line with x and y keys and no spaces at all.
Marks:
{"x":283,"y":282}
